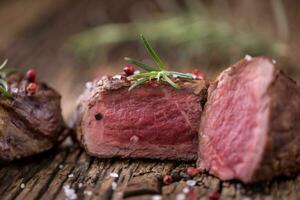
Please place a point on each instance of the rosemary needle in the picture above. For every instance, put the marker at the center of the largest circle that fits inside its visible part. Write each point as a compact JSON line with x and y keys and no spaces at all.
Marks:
{"x":158,"y":72}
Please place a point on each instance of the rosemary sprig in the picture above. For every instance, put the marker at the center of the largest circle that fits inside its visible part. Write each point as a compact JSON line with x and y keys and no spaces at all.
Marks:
{"x":139,"y":64}
{"x":3,"y":83}
{"x":154,"y":73}
{"x":152,"y":53}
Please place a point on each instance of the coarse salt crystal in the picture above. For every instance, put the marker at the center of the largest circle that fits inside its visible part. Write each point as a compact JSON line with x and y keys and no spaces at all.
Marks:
{"x":14,"y":90}
{"x":136,"y":72}
{"x":80,"y":185}
{"x":118,"y":77}
{"x":88,"y":192}
{"x":71,"y":175}
{"x":114,"y":185}
{"x":274,"y":61}
{"x":248,"y":57}
{"x":88,"y":85}
{"x":69,"y":193}
{"x":180,"y":196}
{"x":186,"y":190}
{"x":191,"y":183}
{"x":114,"y":175}
{"x":156,"y":197}
{"x":61,"y":166}
{"x":22,"y":186}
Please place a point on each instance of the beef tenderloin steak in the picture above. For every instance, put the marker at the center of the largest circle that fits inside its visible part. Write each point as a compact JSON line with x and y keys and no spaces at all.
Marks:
{"x":157,"y":122}
{"x":29,"y":124}
{"x":250,"y":126}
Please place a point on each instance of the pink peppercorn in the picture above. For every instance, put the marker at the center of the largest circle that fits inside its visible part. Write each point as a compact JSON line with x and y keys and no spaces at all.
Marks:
{"x":192,"y":171}
{"x":214,"y":195}
{"x":197,"y":74}
{"x":31,"y":88}
{"x":167,"y":179}
{"x":129,"y":70}
{"x":31,"y":75}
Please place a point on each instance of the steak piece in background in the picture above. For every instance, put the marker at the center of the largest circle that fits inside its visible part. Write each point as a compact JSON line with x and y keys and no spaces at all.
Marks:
{"x":157,"y":122}
{"x":250,"y":126}
{"x":29,"y":124}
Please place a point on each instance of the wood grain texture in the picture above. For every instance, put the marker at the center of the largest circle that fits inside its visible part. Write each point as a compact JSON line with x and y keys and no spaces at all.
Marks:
{"x":45,"y":176}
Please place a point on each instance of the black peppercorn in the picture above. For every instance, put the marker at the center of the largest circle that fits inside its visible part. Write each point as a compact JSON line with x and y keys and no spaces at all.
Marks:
{"x":98,"y":116}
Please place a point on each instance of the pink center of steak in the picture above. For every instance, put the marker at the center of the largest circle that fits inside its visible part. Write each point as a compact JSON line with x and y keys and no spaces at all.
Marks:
{"x":145,"y":116}
{"x":235,"y":122}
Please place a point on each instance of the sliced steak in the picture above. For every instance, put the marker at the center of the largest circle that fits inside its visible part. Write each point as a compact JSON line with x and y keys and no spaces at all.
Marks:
{"x":250,"y":127}
{"x":29,"y":124}
{"x":157,"y":122}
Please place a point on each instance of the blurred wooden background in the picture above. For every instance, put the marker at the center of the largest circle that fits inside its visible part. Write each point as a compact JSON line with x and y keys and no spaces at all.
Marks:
{"x":39,"y":34}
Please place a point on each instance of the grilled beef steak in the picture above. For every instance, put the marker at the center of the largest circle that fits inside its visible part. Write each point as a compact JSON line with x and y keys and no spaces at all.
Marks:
{"x":156,"y":122}
{"x":29,"y":124}
{"x":250,"y":126}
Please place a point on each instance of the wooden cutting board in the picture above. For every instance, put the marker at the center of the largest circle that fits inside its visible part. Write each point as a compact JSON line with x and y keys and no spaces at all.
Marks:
{"x":59,"y":173}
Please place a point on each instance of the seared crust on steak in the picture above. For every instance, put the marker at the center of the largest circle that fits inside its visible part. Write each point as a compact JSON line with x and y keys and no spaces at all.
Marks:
{"x":29,"y":124}
{"x":282,"y":151}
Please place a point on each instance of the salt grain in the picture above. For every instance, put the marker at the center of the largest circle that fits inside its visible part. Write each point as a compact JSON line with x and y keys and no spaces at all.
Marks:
{"x":156,"y":197}
{"x":14,"y":90}
{"x":191,"y":183}
{"x":137,"y":72}
{"x":69,"y":193}
{"x":117,"y":77}
{"x":248,"y":57}
{"x":274,"y":61}
{"x":71,"y":175}
{"x":180,"y":196}
{"x":80,"y":185}
{"x":114,"y":185}
{"x":89,"y":85}
{"x":61,"y":166}
{"x":114,"y":175}
{"x":22,"y":186}
{"x":87,"y":192}
{"x":186,"y":190}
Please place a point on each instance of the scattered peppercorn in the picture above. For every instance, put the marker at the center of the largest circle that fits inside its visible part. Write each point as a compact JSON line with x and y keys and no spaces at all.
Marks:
{"x":167,"y":179}
{"x":129,"y":70}
{"x":197,"y":74}
{"x":214,"y":195}
{"x":98,"y":116}
{"x":192,"y":171}
{"x":31,"y":75}
{"x":31,"y":88}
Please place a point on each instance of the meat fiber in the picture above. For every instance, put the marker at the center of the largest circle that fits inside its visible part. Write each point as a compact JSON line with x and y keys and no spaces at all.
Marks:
{"x":250,"y":125}
{"x":28,"y":124}
{"x":157,"y":122}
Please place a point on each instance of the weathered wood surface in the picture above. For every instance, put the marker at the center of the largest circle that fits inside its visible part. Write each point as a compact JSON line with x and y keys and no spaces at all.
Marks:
{"x":45,"y":176}
{"x":35,"y":39}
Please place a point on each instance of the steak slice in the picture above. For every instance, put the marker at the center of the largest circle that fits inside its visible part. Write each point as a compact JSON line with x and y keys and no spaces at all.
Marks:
{"x":157,"y":122}
{"x":29,"y":124}
{"x":250,"y":126}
